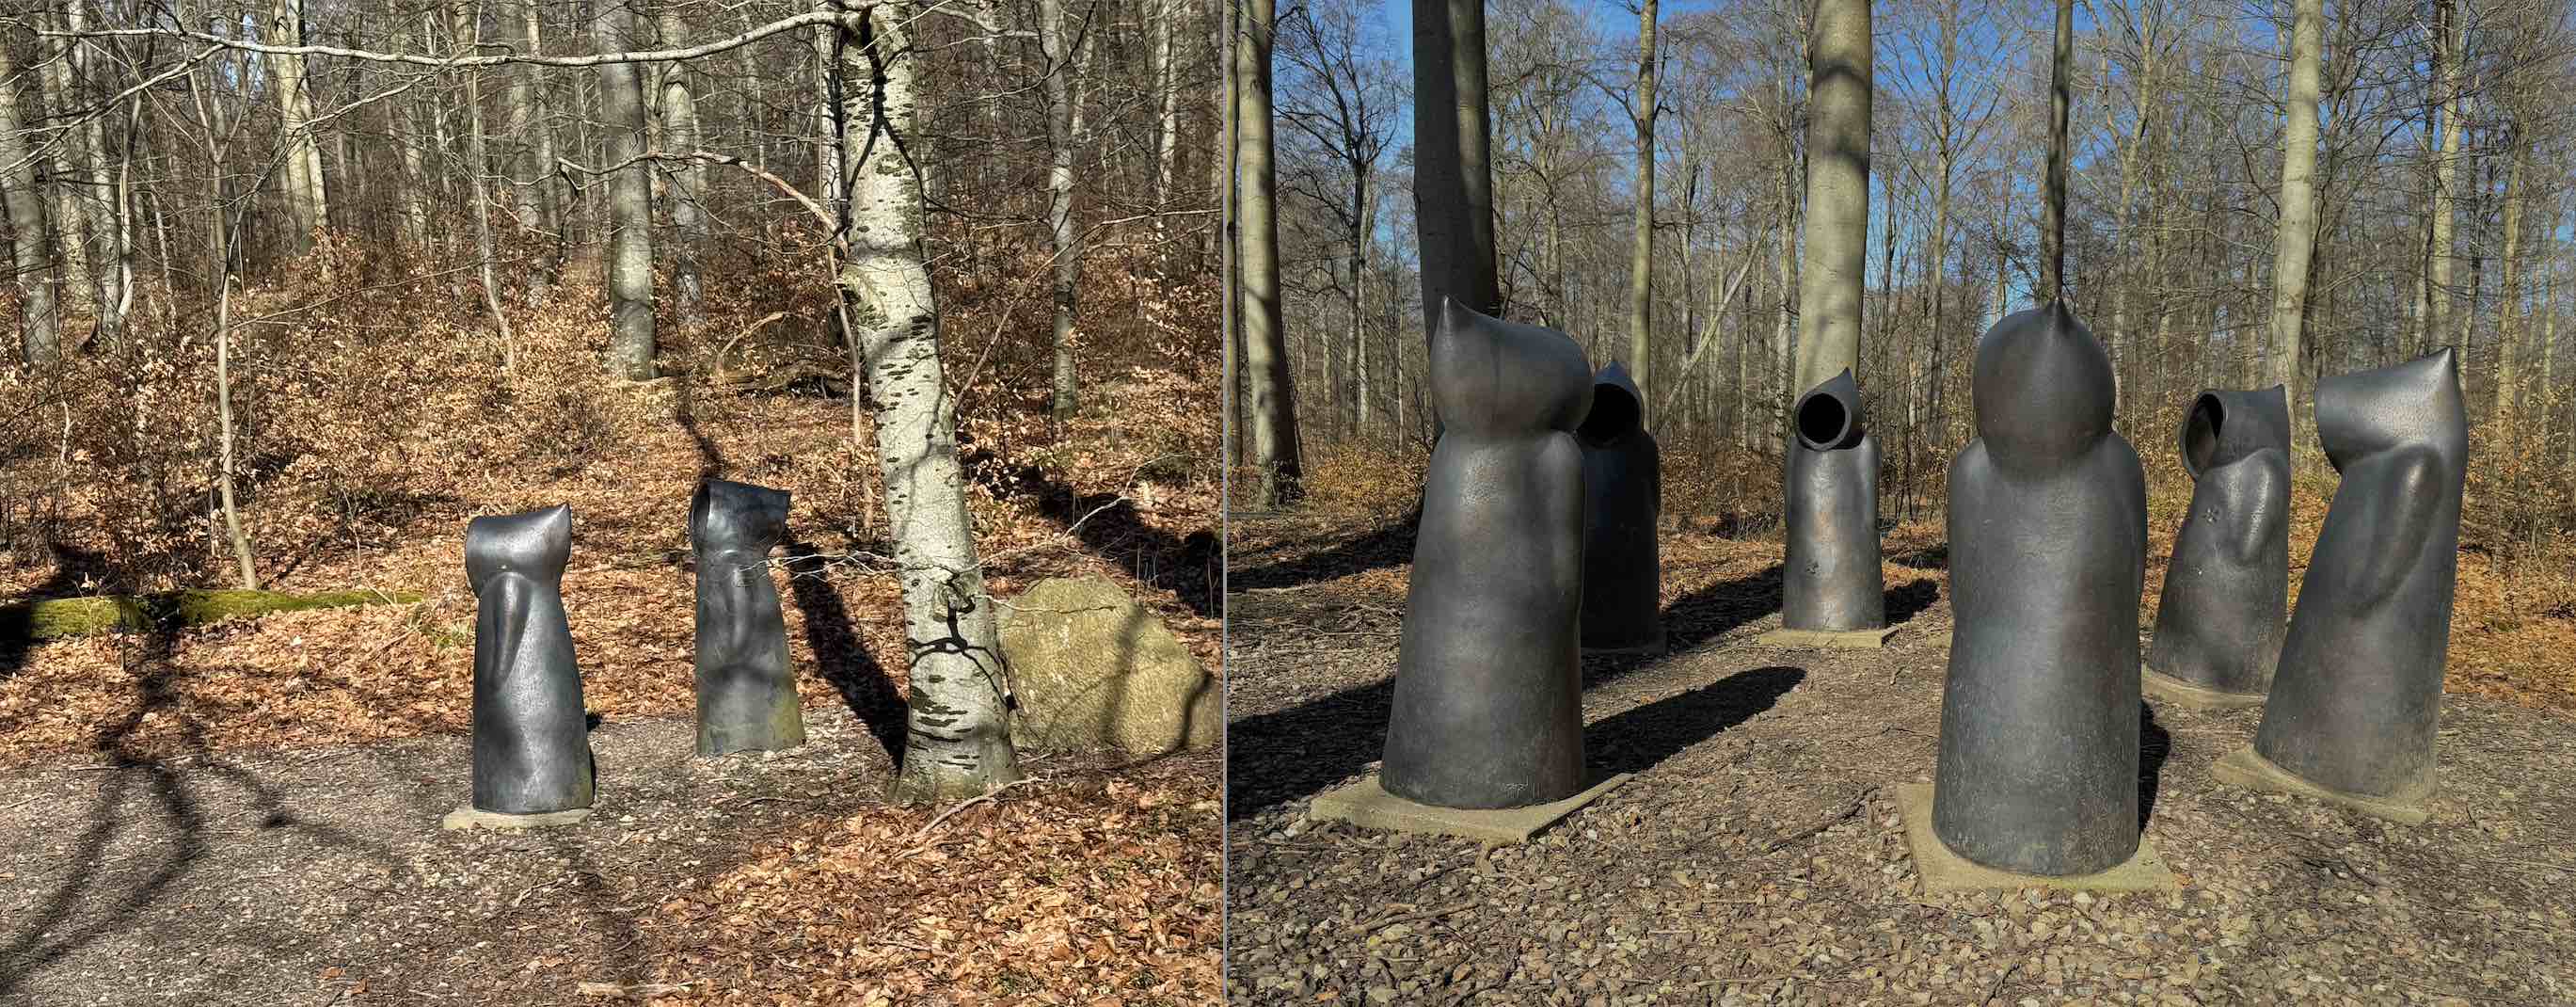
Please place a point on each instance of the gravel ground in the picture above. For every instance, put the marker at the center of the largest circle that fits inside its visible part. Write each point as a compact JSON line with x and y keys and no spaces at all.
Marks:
{"x":320,"y":876}
{"x":1757,"y":856}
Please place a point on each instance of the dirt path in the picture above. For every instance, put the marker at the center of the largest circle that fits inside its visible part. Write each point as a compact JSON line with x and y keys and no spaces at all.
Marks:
{"x":320,"y":876}
{"x":1757,"y":856}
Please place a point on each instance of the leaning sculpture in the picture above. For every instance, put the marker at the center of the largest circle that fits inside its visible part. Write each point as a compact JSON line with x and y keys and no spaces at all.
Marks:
{"x":746,"y":688}
{"x":1830,"y":579}
{"x":1623,"y":486}
{"x":531,"y":732}
{"x":2357,"y":699}
{"x":2220,"y":620}
{"x":2038,"y":768}
{"x":1488,"y":700}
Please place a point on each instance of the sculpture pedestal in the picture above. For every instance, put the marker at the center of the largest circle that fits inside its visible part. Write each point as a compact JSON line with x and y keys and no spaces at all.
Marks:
{"x":2168,"y":689}
{"x":2245,"y":767}
{"x":1823,"y":639}
{"x":471,"y":817}
{"x":1368,"y":805}
{"x":1945,"y":871}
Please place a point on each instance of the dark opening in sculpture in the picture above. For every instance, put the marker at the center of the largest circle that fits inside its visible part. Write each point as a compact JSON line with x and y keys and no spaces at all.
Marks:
{"x":2048,"y":537}
{"x":2220,"y":619}
{"x":2358,"y":694}
{"x":1623,"y":486}
{"x":1830,"y":580}
{"x":531,"y":733}
{"x":1488,"y":708}
{"x":746,"y":688}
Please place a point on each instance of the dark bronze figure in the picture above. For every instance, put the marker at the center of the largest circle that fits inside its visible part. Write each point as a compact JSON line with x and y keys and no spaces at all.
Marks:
{"x":2220,"y":620}
{"x":1830,"y":580}
{"x":2359,"y":690}
{"x":531,"y":733}
{"x":746,"y":687}
{"x":2048,"y":536}
{"x":1488,"y":708}
{"x":1623,"y":492}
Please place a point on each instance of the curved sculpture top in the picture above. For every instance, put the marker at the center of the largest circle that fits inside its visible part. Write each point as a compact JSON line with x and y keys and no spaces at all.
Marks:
{"x":531,"y":732}
{"x":2219,"y":621}
{"x":746,"y":687}
{"x":2358,"y":694}
{"x":1488,"y":710}
{"x":1830,"y":578}
{"x":2048,"y":534}
{"x":1622,"y":505}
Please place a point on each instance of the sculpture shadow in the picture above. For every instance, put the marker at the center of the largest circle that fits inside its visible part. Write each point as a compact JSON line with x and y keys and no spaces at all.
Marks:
{"x":1637,"y":739}
{"x":1387,"y":545}
{"x":840,"y":657}
{"x":1906,"y":602}
{"x":2155,"y":745}
{"x":1276,"y":757}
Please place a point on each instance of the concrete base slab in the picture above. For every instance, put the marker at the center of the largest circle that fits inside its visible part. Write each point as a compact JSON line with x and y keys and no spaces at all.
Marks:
{"x":2245,"y":767}
{"x":1819,"y":639}
{"x":1649,"y":648}
{"x":1368,"y":805}
{"x":2168,"y":689}
{"x":1946,"y":871}
{"x":470,"y":817}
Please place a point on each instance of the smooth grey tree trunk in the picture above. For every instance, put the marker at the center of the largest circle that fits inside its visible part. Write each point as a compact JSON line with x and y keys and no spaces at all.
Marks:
{"x":1641,"y":253}
{"x":688,"y":181}
{"x":300,"y":172}
{"x":1065,"y":240}
{"x":1830,"y":279}
{"x":1270,"y":383}
{"x":2294,"y":240}
{"x":957,"y":737}
{"x":2052,"y":225}
{"x":39,"y":332}
{"x":1453,"y":190}
{"x":630,"y":199}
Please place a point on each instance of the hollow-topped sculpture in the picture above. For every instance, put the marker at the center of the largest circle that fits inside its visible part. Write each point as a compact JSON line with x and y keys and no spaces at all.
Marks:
{"x":1487,"y":711}
{"x":2220,"y":619}
{"x":2357,"y":698}
{"x":1830,"y":580}
{"x":746,"y":688}
{"x":531,"y":732}
{"x":1623,"y":487}
{"x":2038,"y":768}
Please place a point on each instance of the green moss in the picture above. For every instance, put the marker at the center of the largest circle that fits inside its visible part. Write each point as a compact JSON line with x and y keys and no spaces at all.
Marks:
{"x":54,"y":618}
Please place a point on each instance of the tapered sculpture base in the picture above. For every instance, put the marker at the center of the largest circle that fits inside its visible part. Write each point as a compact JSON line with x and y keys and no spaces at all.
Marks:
{"x":2245,"y":767}
{"x":470,"y":817}
{"x":1945,"y":871}
{"x":2165,"y":688}
{"x":1822,"y":639}
{"x":1368,"y":805}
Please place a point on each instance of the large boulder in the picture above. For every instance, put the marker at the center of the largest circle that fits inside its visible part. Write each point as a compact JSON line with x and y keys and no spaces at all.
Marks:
{"x":1093,"y":669}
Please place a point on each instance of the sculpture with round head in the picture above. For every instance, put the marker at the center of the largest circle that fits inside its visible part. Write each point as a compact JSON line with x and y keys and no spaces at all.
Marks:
{"x":2042,"y":390}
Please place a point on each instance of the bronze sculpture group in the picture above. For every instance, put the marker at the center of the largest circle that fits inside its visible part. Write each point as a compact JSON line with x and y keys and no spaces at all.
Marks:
{"x":1541,"y":501}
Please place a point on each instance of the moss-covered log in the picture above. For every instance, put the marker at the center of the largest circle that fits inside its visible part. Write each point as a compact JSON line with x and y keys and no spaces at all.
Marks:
{"x":61,"y":617}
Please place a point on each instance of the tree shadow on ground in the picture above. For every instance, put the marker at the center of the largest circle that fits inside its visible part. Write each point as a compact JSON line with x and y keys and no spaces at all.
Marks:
{"x":1281,"y":756}
{"x":2155,"y":745}
{"x":1637,"y":739}
{"x":840,"y":656}
{"x":1387,"y":545}
{"x":1110,"y":527}
{"x":1904,"y":603}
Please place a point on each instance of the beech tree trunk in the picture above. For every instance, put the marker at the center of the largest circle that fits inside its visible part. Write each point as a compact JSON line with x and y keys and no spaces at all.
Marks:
{"x":630,"y":199}
{"x":2294,"y":242}
{"x":1066,"y":242}
{"x":2446,"y":178}
{"x":1453,"y":190}
{"x":39,"y":329}
{"x":1830,"y":281}
{"x":300,"y":172}
{"x":1641,"y":253}
{"x":2052,"y":227}
{"x":1270,"y":376}
{"x":957,"y":741}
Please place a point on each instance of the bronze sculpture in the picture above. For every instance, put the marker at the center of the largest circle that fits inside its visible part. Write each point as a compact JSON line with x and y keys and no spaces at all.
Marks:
{"x":1623,"y":486}
{"x":531,"y":732}
{"x":2221,"y":617}
{"x":746,"y":687}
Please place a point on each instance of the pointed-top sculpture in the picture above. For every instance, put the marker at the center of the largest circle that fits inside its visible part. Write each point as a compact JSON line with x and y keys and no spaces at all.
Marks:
{"x":2048,"y":534}
{"x":1830,"y":580}
{"x":2358,"y":695}
{"x":2220,"y":620}
{"x":531,"y":733}
{"x":746,"y":688}
{"x":1488,"y":699}
{"x":1622,"y":502}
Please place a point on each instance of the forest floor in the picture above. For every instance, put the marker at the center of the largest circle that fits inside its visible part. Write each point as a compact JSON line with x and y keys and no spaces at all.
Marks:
{"x":1757,"y":856}
{"x":248,"y":812}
